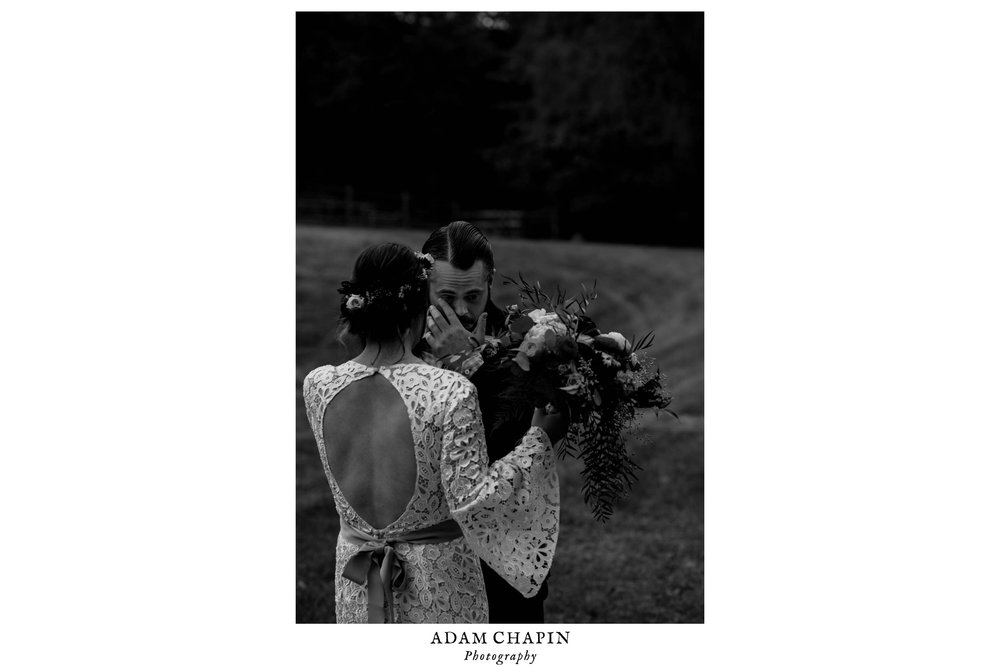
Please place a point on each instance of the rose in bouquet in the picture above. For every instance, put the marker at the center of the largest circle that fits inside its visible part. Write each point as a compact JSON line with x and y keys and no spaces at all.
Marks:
{"x":558,"y":358}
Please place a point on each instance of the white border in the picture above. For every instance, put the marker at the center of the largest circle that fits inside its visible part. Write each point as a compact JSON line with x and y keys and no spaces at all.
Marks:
{"x":148,"y":272}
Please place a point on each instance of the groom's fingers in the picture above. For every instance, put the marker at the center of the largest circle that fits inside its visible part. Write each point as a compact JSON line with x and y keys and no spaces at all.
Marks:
{"x":437,"y":319}
{"x":446,"y":311}
{"x":480,"y":332}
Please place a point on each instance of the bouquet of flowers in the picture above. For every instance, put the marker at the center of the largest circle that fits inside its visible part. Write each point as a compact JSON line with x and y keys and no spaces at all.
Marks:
{"x":559,"y":359}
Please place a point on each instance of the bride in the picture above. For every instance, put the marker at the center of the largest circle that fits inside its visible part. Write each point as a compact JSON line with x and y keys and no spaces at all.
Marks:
{"x":401,"y":443}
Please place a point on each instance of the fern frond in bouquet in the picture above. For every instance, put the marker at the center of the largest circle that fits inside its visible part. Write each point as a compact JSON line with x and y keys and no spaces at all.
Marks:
{"x":557,"y":358}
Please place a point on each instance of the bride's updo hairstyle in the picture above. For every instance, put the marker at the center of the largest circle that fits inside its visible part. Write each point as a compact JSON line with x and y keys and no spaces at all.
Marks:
{"x":387,"y":292}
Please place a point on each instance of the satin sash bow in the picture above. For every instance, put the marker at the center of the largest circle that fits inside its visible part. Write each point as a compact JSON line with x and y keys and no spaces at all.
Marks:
{"x":376,"y":566}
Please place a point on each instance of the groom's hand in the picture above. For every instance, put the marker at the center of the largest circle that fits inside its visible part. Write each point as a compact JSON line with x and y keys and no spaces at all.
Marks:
{"x":445,"y":333}
{"x":555,"y":424}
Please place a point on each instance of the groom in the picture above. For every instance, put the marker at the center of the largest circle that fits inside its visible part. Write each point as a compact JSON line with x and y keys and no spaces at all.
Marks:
{"x":460,"y":316}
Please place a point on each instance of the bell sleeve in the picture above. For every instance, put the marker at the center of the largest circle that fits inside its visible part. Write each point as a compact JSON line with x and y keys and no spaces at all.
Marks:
{"x":508,"y":511}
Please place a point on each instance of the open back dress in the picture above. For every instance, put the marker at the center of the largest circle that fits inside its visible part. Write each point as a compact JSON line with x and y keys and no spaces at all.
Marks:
{"x":423,"y":567}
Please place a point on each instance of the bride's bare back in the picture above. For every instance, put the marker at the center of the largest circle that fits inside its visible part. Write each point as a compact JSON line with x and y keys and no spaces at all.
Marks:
{"x":369,"y":444}
{"x":508,"y":513}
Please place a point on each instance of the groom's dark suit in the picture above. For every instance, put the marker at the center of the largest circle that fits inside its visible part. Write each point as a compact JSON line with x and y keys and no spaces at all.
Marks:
{"x":507,"y":605}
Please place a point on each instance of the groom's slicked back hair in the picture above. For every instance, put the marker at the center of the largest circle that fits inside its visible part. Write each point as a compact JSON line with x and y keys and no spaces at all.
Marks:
{"x":460,"y":244}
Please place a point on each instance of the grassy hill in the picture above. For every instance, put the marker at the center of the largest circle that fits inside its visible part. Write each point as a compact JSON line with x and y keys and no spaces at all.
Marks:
{"x":646,"y":563}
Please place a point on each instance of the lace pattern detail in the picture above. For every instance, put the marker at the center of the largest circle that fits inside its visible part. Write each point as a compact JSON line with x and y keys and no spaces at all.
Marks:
{"x":509,"y":513}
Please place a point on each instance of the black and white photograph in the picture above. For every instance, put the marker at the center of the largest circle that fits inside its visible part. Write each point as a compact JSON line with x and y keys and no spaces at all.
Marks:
{"x":551,"y":335}
{"x":499,"y":317}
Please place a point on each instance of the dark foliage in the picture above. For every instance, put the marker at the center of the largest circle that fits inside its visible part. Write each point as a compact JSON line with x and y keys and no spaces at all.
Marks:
{"x":592,"y":121}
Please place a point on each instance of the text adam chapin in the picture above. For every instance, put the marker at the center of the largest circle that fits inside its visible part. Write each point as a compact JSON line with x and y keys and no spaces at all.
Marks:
{"x":501,"y":637}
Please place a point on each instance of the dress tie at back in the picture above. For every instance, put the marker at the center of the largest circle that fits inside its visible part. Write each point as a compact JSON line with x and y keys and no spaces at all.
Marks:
{"x":376,"y":566}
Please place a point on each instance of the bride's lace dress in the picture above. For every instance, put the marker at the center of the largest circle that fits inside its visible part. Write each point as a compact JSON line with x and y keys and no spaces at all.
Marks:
{"x":508,"y":512}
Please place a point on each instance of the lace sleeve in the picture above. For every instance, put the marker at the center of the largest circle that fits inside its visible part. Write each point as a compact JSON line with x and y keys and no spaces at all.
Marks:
{"x":308,"y":396}
{"x":312,"y":396}
{"x":509,"y":512}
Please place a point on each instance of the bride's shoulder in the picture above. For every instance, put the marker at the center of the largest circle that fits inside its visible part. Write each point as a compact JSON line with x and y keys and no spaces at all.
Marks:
{"x":451,"y":382}
{"x":432,"y":370}
{"x":441,"y":377}
{"x":320,"y":376}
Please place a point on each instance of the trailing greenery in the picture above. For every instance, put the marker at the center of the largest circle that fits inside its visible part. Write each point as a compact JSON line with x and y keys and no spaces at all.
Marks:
{"x":557,"y":358}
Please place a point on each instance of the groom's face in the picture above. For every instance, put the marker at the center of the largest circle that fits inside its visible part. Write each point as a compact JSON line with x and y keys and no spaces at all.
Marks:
{"x":467,"y":292}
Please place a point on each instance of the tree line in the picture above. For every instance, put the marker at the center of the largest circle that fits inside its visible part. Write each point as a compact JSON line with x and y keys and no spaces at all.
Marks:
{"x":592,"y":121}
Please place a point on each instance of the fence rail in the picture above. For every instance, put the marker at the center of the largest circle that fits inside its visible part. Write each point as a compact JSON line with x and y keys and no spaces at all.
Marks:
{"x":345,"y":206}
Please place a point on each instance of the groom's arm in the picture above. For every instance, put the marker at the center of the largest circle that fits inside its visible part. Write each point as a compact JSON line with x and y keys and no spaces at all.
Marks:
{"x":468,"y":362}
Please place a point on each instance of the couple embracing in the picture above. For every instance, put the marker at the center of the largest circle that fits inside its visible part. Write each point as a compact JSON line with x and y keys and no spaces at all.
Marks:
{"x":440,"y":522}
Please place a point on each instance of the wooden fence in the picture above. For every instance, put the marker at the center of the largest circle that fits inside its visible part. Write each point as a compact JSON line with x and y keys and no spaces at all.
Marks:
{"x":346,"y":206}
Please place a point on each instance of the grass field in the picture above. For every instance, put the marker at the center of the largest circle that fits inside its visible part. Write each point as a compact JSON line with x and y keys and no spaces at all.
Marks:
{"x":646,"y":565}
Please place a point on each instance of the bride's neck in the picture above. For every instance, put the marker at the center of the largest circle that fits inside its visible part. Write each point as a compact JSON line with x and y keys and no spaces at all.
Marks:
{"x":382,"y":354}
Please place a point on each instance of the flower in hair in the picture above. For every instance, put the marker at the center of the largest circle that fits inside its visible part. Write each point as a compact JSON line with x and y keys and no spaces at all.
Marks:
{"x":428,"y":263}
{"x":354,"y":302}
